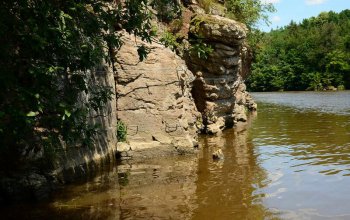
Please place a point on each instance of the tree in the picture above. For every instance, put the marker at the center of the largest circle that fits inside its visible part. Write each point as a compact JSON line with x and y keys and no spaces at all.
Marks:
{"x":47,"y":52}
{"x":312,"y":55}
{"x":248,"y":12}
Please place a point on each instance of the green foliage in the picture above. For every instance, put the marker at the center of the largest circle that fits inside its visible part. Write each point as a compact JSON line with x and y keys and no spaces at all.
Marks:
{"x":312,"y":55}
{"x":122,"y":131}
{"x":47,"y":52}
{"x":248,"y":12}
{"x":206,"y":4}
{"x":169,"y":40}
{"x":167,"y":10}
{"x":200,"y":48}
{"x":196,"y":24}
{"x":198,"y":45}
{"x":341,"y":87}
{"x":212,"y":5}
{"x":176,"y":25}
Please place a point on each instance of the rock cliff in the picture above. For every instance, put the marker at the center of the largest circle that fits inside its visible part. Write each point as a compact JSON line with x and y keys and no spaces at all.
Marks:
{"x":164,"y":101}
{"x":154,"y":98}
{"x":219,"y":90}
{"x":164,"y":104}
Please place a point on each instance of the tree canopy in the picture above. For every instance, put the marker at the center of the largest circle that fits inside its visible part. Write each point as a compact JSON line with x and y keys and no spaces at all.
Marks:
{"x":248,"y":12}
{"x":312,"y":55}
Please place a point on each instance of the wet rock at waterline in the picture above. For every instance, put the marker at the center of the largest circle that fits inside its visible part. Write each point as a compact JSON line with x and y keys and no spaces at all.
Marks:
{"x":18,"y":187}
{"x":218,"y":155}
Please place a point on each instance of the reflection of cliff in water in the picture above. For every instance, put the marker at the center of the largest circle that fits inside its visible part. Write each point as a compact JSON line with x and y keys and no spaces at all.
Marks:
{"x":198,"y":188}
{"x":229,"y":189}
{"x":178,"y":187}
{"x":95,"y":197}
{"x":159,"y":188}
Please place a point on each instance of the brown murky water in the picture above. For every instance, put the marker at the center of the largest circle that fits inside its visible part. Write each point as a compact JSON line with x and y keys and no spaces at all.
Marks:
{"x":291,"y":162}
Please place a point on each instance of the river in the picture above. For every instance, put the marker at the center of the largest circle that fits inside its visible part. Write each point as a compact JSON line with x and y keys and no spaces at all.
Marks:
{"x":292,"y":161}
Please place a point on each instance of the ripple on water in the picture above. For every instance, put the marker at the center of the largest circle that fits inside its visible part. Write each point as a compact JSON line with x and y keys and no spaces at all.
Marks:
{"x":307,"y":139}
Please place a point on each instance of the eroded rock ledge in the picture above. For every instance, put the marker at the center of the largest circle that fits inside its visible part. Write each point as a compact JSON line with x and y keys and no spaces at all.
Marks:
{"x":219,"y":90}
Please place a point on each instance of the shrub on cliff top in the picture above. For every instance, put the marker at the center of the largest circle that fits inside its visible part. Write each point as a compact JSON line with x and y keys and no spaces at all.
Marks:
{"x":248,"y":12}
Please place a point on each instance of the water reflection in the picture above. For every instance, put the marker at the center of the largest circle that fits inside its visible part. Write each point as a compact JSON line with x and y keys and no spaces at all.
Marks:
{"x":193,"y":187}
{"x":229,"y":189}
{"x":97,"y":197}
{"x":199,"y":187}
{"x":159,"y":189}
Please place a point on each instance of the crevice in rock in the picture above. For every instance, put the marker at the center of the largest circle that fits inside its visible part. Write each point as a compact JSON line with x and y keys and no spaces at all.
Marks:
{"x":124,"y":83}
{"x":198,"y":94}
{"x":146,"y":87}
{"x":154,"y":139}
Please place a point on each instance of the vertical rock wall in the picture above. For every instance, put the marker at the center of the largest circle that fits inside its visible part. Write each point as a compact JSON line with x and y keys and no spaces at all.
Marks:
{"x":76,"y":161}
{"x":70,"y":162}
{"x":219,"y":90}
{"x":154,"y":98}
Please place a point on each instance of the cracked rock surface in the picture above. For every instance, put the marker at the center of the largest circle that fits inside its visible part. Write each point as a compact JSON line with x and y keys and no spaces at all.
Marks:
{"x":154,"y":98}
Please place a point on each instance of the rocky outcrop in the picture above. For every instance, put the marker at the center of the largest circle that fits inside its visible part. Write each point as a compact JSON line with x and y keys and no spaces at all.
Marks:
{"x":219,"y":89}
{"x":155,"y":96}
{"x":154,"y":99}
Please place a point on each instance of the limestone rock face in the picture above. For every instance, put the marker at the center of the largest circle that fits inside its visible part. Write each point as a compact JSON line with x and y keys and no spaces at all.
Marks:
{"x":154,"y":97}
{"x":219,"y":29}
{"x":219,"y":89}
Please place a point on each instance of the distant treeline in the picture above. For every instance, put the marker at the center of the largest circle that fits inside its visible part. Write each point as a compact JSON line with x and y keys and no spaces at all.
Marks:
{"x":312,"y":55}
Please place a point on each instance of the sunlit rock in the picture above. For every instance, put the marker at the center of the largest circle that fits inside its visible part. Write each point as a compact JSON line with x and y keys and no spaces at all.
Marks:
{"x":154,"y":98}
{"x":219,"y":90}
